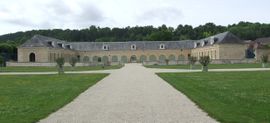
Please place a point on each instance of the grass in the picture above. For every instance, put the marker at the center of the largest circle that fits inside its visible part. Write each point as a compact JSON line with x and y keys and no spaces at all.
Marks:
{"x":27,"y":99}
{"x":48,"y":69}
{"x":211,"y":66}
{"x":229,"y":97}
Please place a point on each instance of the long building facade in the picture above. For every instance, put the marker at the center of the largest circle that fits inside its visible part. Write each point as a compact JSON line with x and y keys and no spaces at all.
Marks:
{"x":42,"y":49}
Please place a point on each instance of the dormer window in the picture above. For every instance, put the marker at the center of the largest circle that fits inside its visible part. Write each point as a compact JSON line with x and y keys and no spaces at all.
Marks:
{"x":51,"y":44}
{"x":205,"y":42}
{"x":198,"y":44}
{"x":162,"y":46}
{"x":105,"y":47}
{"x":61,"y":45}
{"x":69,"y":46}
{"x":133,"y":47}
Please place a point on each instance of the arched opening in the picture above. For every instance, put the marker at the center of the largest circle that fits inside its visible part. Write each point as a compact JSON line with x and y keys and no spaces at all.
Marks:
{"x":124,"y":59}
{"x":172,"y":58}
{"x":114,"y":58}
{"x":152,"y":58}
{"x":162,"y":58}
{"x":86,"y":59}
{"x":32,"y":57}
{"x":143,"y":58}
{"x":133,"y":59}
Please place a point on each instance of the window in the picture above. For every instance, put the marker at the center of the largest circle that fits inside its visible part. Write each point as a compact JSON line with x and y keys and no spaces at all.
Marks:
{"x":61,"y":45}
{"x":162,"y":46}
{"x":69,"y":46}
{"x":105,"y":47}
{"x":51,"y":44}
{"x":133,"y":47}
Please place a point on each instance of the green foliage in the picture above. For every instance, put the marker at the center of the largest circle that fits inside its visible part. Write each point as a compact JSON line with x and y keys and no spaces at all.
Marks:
{"x":1,"y":61}
{"x":229,"y":97}
{"x":244,"y":30}
{"x":264,"y":58}
{"x":60,"y":63}
{"x":205,"y":60}
{"x":73,"y":61}
{"x":29,"y":98}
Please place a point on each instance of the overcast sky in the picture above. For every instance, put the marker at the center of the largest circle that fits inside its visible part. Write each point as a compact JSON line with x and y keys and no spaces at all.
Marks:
{"x":21,"y":15}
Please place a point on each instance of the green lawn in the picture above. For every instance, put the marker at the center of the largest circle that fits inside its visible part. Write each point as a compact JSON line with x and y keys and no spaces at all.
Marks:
{"x":27,"y":99}
{"x":211,"y":66}
{"x":47,"y":69}
{"x":229,"y":97}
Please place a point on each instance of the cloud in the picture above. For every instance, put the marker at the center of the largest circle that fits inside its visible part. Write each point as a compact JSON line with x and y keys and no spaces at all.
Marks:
{"x":161,"y":15}
{"x":52,"y":15}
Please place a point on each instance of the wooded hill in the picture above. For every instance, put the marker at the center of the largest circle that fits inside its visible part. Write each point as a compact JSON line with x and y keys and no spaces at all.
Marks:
{"x":244,"y":30}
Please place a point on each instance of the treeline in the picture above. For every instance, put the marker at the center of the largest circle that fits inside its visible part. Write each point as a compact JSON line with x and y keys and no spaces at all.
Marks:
{"x":244,"y":30}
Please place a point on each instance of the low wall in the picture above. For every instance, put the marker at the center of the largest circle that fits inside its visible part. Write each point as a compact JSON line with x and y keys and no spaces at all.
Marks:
{"x":54,"y":64}
{"x":215,"y":61}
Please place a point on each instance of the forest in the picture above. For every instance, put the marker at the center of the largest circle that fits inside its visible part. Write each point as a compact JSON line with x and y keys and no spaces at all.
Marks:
{"x":244,"y":30}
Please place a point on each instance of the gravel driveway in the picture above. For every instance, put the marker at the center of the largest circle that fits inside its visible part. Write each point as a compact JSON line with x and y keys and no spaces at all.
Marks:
{"x":132,"y":94}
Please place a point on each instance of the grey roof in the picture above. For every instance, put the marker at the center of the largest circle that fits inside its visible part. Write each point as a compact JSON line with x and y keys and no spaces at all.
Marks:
{"x":140,"y":45}
{"x":222,"y":38}
{"x":43,"y":41}
{"x":263,"y":40}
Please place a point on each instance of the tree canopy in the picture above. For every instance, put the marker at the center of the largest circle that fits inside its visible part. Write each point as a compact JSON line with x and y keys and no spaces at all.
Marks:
{"x":244,"y":30}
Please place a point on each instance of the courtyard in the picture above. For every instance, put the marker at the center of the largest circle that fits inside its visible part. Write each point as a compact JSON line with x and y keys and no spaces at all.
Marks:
{"x":134,"y":93}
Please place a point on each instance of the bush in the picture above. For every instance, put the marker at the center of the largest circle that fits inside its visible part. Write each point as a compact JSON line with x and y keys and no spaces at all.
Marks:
{"x":60,"y":64}
{"x":264,"y":58}
{"x":204,"y":60}
{"x":73,"y":61}
{"x":1,"y":61}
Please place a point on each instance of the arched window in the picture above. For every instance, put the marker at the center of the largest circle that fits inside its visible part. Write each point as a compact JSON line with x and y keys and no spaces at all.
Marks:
{"x":114,"y":58}
{"x":143,"y":58}
{"x":133,"y":59}
{"x":95,"y":59}
{"x":152,"y":58}
{"x":85,"y":59}
{"x":172,"y":58}
{"x":32,"y":57}
{"x":162,"y":58}
{"x":181,"y":57}
{"x":105,"y":59}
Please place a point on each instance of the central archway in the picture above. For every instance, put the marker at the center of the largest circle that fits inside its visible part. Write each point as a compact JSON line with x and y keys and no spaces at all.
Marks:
{"x":133,"y":59}
{"x":32,"y":57}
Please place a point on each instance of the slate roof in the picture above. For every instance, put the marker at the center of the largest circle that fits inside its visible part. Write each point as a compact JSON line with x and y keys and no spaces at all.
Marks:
{"x":263,"y":40}
{"x":43,"y":41}
{"x":222,"y":38}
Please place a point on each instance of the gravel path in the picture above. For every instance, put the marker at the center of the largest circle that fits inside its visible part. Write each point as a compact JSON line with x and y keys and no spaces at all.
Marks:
{"x":132,"y":94}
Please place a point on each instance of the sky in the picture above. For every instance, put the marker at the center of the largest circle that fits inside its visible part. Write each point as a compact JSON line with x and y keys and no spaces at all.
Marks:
{"x":23,"y":15}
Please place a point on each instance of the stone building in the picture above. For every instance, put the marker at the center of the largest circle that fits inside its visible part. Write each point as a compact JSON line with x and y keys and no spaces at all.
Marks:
{"x":260,"y":47}
{"x":221,"y":46}
{"x":41,"y":49}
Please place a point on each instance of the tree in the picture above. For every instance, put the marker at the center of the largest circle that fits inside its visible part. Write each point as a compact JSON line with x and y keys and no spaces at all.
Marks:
{"x":1,"y":61}
{"x":264,"y":60}
{"x":205,"y":60}
{"x":60,"y":64}
{"x":192,"y":60}
{"x":73,"y":62}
